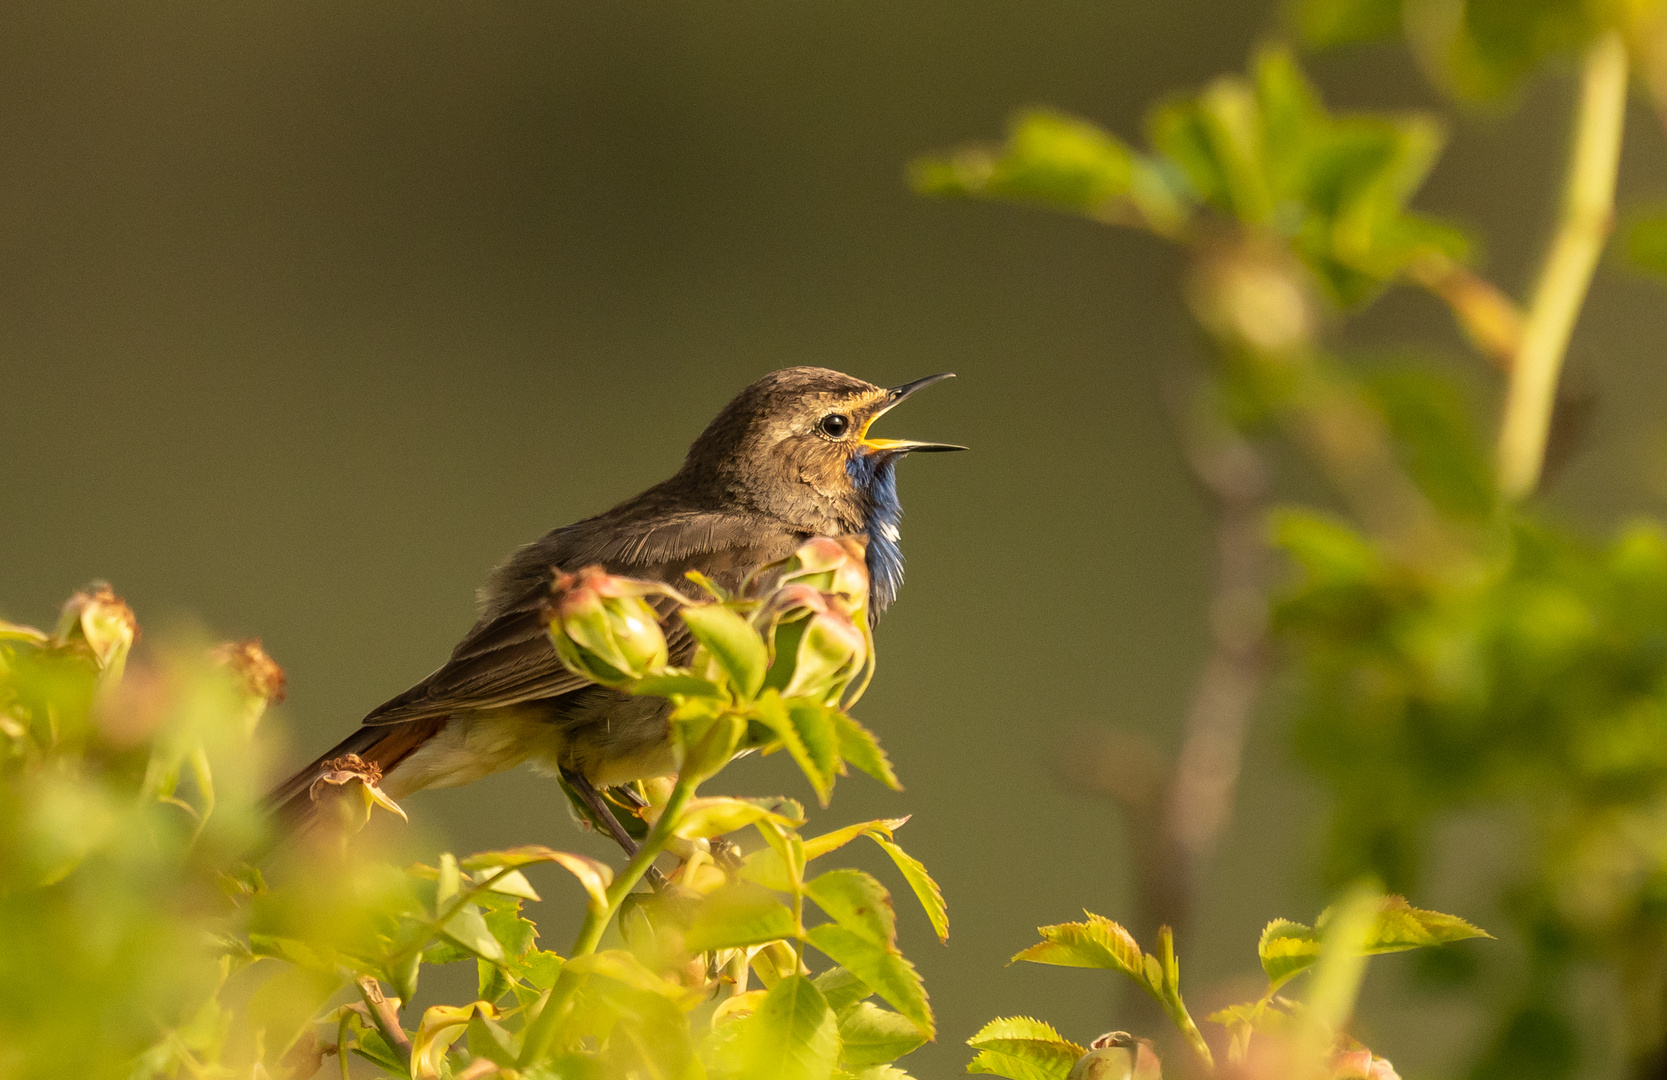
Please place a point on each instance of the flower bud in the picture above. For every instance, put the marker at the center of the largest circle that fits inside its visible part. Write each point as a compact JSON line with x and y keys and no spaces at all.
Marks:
{"x":603,"y":627}
{"x":819,"y":648}
{"x":348,"y":787}
{"x":837,"y":565}
{"x":255,"y":673}
{"x":98,"y":618}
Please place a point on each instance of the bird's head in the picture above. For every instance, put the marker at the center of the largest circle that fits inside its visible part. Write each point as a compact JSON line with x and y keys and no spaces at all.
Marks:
{"x":796,"y":445}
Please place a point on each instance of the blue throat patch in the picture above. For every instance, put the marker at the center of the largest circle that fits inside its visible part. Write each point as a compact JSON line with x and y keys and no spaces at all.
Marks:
{"x":875,"y":476}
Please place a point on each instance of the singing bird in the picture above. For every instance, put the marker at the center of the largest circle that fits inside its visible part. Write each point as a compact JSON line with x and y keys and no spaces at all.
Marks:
{"x":789,"y":458}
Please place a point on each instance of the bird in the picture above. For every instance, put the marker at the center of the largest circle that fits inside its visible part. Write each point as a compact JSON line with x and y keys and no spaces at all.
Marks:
{"x":789,"y":458}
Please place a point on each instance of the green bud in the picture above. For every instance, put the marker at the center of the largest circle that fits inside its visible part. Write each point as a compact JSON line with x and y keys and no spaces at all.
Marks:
{"x":604,"y":628}
{"x":836,"y":565}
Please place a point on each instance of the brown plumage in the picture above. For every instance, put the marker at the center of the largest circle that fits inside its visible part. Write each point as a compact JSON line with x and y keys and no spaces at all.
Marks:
{"x":787,"y":459}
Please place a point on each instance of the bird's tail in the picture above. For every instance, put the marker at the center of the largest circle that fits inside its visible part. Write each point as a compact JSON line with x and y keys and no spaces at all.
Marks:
{"x":293,"y":803}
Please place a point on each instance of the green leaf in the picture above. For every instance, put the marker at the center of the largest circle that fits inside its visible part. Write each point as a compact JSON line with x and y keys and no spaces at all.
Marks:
{"x":792,"y":1036}
{"x":807,"y":729}
{"x":1050,"y":158}
{"x":676,"y":681}
{"x":817,"y":846}
{"x":842,"y":989}
{"x":730,"y":641}
{"x":857,"y":902}
{"x":468,"y":929}
{"x":858,"y":746}
{"x":1021,"y":1048}
{"x":738,"y":914}
{"x":925,"y":889}
{"x":1096,"y":943}
{"x":870,"y":1035}
{"x":1289,"y":948}
{"x":882,"y":968}
{"x":719,"y":814}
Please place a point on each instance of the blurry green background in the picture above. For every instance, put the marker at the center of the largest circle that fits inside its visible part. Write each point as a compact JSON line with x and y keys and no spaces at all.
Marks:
{"x":310,"y":312}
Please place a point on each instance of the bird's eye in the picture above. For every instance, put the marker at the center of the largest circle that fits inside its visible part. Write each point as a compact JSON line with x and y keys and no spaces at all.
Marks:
{"x":834,"y":425}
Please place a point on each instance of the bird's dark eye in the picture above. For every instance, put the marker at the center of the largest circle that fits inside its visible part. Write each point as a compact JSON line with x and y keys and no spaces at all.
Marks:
{"x":834,"y":425}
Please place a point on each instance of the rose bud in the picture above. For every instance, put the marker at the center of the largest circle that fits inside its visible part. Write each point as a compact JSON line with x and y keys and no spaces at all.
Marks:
{"x":831,"y":650}
{"x":603,"y":627}
{"x":99,"y":619}
{"x":255,"y":673}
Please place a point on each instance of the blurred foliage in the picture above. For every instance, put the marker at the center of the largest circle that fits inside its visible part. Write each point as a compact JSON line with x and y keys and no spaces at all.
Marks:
{"x":1451,"y":647}
{"x":1271,"y":1037}
{"x":137,"y":941}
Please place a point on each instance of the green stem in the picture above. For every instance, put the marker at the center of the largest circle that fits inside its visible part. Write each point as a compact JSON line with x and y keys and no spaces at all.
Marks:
{"x":541,"y":1030}
{"x":596,"y":920}
{"x":1587,"y":216}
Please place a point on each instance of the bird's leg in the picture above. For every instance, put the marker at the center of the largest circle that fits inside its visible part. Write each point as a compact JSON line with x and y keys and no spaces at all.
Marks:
{"x":603,"y":815}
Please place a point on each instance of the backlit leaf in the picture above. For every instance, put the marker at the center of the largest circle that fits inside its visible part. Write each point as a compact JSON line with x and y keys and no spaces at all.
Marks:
{"x":792,"y":1035}
{"x":1096,"y":943}
{"x":925,"y":889}
{"x":870,"y":1035}
{"x":739,"y":914}
{"x":1021,"y":1048}
{"x":859,"y":747}
{"x":731,"y":642}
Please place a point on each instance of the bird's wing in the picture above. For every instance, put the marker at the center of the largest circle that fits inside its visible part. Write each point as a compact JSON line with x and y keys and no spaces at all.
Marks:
{"x":503,"y":661}
{"x":507,"y":658}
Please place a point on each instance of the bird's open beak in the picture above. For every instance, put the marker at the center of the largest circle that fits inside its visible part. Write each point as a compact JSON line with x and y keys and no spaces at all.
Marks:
{"x":905,"y":446}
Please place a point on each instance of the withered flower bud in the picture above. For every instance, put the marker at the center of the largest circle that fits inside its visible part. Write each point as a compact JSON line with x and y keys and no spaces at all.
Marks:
{"x":256,"y":674}
{"x":837,"y":565}
{"x":819,"y":647}
{"x":352,"y":786}
{"x":604,"y":628}
{"x":98,"y":618}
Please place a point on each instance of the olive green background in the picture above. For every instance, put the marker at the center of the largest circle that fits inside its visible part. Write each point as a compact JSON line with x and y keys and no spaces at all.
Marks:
{"x":309,"y":312}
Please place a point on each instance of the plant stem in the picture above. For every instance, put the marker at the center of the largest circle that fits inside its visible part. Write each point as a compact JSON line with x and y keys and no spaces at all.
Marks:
{"x":1587,"y":217}
{"x":542,"y":1028}
{"x":590,"y":934}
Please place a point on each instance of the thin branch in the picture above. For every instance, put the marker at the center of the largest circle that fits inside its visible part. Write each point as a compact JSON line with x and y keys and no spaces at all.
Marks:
{"x":384,"y":1014}
{"x":1488,"y":317}
{"x":1587,"y":217}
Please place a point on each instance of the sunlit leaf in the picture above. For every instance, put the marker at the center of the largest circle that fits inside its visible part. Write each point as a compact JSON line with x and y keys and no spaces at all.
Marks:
{"x":441,"y":1026}
{"x":732,"y":642}
{"x":859,"y":747}
{"x":1021,"y":1048}
{"x":925,"y":889}
{"x":1095,"y":943}
{"x":792,"y":1035}
{"x":719,"y":814}
{"x":1288,"y":948}
{"x":739,"y":914}
{"x":870,"y":1035}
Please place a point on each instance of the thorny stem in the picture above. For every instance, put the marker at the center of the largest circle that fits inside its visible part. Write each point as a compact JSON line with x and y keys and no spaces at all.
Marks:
{"x":1587,"y":217}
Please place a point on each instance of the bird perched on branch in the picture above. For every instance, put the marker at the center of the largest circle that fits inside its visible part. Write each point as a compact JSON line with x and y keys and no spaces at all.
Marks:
{"x":789,"y":458}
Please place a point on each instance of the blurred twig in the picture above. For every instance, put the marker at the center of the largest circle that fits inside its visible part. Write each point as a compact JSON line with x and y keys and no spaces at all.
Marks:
{"x":1177,"y":813}
{"x":1587,"y":217}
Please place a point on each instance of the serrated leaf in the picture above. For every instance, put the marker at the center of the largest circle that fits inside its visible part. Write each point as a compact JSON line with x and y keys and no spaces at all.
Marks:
{"x":806,"y":731}
{"x":739,"y":914}
{"x":1288,"y":948}
{"x":882,"y":968}
{"x":732,"y":644}
{"x":468,"y":928}
{"x":792,"y":1035}
{"x":1096,"y":943}
{"x":842,"y":989}
{"x":857,"y":902}
{"x":870,"y":1035}
{"x":817,"y":846}
{"x":859,"y":747}
{"x":925,"y":889}
{"x":1022,"y":1048}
